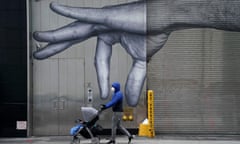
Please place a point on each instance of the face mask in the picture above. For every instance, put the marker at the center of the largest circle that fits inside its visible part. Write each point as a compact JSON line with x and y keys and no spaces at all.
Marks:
{"x":113,"y":89}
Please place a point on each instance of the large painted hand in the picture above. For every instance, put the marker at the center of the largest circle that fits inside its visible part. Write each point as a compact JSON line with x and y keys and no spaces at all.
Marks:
{"x":128,"y":21}
{"x":124,"y":24}
{"x":139,"y":47}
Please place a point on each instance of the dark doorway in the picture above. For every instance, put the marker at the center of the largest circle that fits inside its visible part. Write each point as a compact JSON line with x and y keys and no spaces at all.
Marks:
{"x":13,"y":65}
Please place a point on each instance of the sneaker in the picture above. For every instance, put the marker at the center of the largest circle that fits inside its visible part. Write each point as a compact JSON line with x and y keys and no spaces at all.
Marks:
{"x":111,"y":142}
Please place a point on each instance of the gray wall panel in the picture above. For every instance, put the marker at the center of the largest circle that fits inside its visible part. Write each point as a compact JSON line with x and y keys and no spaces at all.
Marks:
{"x":71,"y":90}
{"x":45,"y":97}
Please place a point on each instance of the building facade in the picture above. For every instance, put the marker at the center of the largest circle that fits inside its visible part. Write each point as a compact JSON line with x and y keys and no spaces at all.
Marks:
{"x":194,"y":77}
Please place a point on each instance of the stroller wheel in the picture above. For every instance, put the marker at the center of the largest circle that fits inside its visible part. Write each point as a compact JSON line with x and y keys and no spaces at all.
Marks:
{"x":95,"y":140}
{"x":75,"y":140}
{"x":98,"y":138}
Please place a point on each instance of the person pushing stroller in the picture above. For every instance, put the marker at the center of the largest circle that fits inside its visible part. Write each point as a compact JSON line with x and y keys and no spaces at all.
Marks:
{"x":117,"y":107}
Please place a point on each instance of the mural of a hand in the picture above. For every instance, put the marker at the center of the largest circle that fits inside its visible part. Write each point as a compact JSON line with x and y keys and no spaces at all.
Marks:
{"x":126,"y":24}
{"x":134,"y":44}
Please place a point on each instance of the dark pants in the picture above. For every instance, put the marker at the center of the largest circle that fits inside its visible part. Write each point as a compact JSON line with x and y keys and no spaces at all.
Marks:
{"x":116,"y":123}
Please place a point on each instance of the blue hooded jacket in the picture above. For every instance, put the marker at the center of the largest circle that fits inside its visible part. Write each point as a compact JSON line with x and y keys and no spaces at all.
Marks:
{"x":117,"y":99}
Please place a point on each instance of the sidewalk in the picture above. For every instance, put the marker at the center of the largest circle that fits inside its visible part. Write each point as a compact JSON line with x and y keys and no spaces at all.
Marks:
{"x":123,"y":140}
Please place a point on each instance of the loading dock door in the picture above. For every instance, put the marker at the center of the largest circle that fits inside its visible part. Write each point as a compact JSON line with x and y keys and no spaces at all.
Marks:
{"x":58,"y":93}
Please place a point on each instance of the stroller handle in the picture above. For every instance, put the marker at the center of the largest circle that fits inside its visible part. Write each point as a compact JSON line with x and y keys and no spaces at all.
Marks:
{"x":99,"y":111}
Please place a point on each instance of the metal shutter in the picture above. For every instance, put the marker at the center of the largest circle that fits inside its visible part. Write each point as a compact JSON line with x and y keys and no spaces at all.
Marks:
{"x":196,"y":80}
{"x":196,"y":83}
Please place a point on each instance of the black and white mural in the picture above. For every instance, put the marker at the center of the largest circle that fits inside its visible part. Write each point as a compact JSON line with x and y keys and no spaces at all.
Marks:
{"x":142,"y":28}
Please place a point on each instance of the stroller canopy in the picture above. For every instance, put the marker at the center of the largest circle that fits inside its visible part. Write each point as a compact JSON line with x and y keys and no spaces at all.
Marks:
{"x":89,"y":113}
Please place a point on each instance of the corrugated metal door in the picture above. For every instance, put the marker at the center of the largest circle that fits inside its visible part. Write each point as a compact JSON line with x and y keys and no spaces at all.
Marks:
{"x":197,"y":84}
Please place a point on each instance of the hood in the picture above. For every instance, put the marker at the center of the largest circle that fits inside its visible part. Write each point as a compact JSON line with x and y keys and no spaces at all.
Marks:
{"x":116,"y":85}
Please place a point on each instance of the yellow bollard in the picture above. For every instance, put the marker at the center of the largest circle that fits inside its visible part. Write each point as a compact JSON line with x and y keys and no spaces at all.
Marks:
{"x":148,"y":129}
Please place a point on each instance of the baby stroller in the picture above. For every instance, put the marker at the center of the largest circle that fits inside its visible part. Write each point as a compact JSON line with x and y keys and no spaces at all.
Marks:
{"x":87,"y":128}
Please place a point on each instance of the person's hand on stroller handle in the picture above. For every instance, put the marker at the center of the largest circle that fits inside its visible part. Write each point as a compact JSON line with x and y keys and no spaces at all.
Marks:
{"x":103,"y":107}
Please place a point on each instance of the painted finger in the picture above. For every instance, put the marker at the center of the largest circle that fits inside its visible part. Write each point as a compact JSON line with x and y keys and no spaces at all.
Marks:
{"x":52,"y":49}
{"x":130,"y":17}
{"x":102,"y":65}
{"x":73,"y":31}
{"x":135,"y":82}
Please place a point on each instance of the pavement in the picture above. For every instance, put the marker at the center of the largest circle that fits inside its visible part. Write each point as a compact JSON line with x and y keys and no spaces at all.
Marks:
{"x":159,"y":139}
